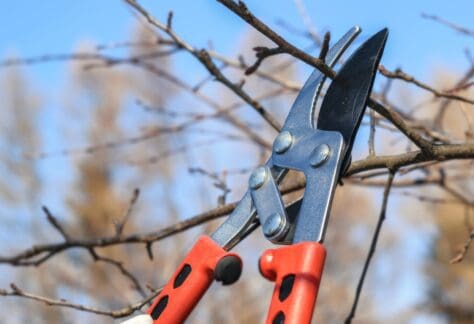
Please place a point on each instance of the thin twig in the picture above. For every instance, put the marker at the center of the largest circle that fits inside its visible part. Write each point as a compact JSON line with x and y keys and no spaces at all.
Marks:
{"x":219,"y":182}
{"x":440,"y":153}
{"x":240,"y":64}
{"x":38,"y":254}
{"x":119,"y":265}
{"x":55,"y":223}
{"x":308,"y":22}
{"x":373,"y":245}
{"x":399,"y":74}
{"x":460,"y":29}
{"x":465,"y":248}
{"x":138,"y":61}
{"x":325,"y":47}
{"x":155,"y":133}
{"x":446,"y":102}
{"x":262,"y":52}
{"x":398,"y":121}
{"x":241,"y":10}
{"x":119,"y":225}
{"x":118,"y":313}
{"x":203,"y":56}
{"x":372,"y":133}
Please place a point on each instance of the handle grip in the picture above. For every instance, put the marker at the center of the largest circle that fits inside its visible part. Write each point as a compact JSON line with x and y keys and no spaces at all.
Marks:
{"x":205,"y":262}
{"x":296,"y":271}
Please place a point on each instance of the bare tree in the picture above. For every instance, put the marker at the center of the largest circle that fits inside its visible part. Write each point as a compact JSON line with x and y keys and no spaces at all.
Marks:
{"x":117,"y":234}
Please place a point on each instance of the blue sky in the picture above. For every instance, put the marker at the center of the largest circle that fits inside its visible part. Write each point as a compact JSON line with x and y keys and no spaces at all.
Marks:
{"x":55,"y":26}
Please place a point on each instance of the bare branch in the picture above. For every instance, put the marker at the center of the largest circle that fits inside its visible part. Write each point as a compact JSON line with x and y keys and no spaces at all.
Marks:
{"x":35,"y":255}
{"x":204,"y":58}
{"x":119,"y":225}
{"x":440,"y":153}
{"x":398,"y":121}
{"x":372,"y":133}
{"x":460,"y":29}
{"x":465,"y":248}
{"x":119,"y":313}
{"x":54,"y":222}
{"x":119,"y":265}
{"x":262,"y":53}
{"x":399,"y":74}
{"x":169,"y":20}
{"x":307,"y":22}
{"x":325,"y":47}
{"x":293,"y":86}
{"x":241,"y":10}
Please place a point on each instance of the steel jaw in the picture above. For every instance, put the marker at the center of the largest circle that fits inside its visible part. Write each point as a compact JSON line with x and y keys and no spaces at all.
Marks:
{"x":237,"y":224}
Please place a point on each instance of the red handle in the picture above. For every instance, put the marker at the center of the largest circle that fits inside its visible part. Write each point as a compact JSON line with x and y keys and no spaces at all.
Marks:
{"x":189,"y":283}
{"x":296,"y":270}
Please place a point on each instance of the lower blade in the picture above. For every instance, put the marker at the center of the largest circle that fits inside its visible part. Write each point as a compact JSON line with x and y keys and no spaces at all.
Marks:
{"x":347,"y":96}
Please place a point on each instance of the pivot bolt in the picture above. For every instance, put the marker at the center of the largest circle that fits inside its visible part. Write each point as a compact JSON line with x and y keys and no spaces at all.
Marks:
{"x":258,"y":177}
{"x":274,"y":225}
{"x":282,"y":142}
{"x":320,"y":155}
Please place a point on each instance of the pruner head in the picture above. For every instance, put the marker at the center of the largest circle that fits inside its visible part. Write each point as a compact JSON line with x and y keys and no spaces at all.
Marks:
{"x":344,"y":104}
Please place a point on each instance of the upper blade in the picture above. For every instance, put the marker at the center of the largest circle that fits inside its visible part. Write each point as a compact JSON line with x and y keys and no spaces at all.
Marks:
{"x":345,"y":101}
{"x":301,"y":113}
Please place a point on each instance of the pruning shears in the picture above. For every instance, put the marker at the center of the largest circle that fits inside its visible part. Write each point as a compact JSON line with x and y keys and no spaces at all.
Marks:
{"x":322,"y":151}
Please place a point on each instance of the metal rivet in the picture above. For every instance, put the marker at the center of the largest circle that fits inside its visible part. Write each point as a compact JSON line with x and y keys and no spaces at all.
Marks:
{"x":258,"y":177}
{"x":282,"y":142}
{"x":273,"y":225}
{"x":319,"y":155}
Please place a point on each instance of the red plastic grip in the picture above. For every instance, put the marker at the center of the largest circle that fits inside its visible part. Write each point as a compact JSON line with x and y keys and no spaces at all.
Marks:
{"x":189,"y":283}
{"x":296,"y":270}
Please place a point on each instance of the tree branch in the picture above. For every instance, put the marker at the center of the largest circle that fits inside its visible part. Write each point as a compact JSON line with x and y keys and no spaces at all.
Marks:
{"x":460,"y":29}
{"x":465,"y":248}
{"x":205,"y":59}
{"x":119,"y":313}
{"x":241,"y":10}
{"x":399,"y":74}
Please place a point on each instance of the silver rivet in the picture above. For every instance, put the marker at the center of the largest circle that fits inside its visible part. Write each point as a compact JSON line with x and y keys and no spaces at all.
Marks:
{"x":258,"y":177}
{"x":273,"y":225}
{"x":320,"y":155}
{"x":282,"y":142}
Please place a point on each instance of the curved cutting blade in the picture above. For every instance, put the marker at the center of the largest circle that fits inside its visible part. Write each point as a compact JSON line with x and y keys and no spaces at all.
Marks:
{"x":345,"y":101}
{"x":301,"y":112}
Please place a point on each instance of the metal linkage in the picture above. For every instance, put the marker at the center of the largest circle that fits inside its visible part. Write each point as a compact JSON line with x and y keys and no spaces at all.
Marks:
{"x":321,"y":168}
{"x":269,"y":205}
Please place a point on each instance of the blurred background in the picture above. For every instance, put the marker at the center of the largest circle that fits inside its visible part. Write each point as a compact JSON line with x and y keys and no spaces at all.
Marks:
{"x":83,"y":125}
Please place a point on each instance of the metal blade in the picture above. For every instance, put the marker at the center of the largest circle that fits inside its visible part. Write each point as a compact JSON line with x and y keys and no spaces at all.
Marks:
{"x":345,"y":101}
{"x":301,"y":113}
